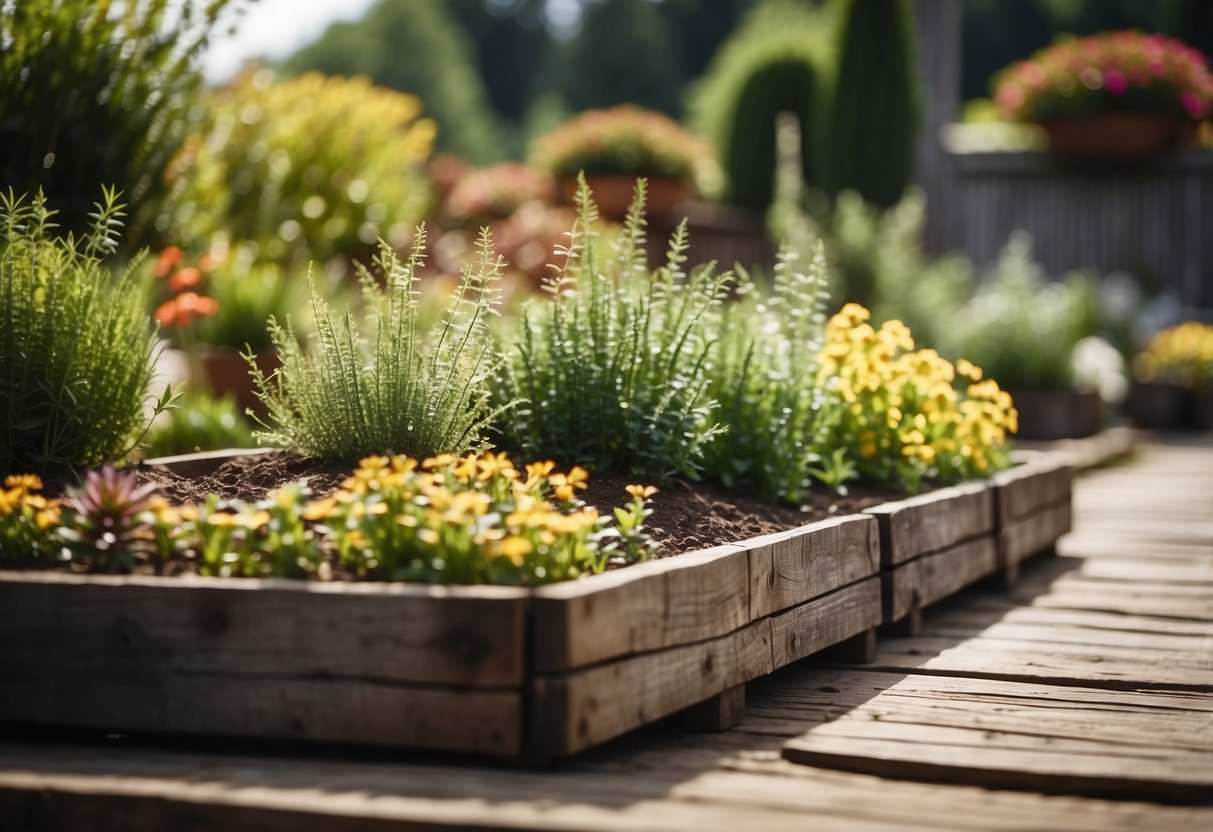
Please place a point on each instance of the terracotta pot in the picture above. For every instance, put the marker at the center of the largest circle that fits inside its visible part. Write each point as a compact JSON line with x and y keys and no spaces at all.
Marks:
{"x":1157,"y":405}
{"x":1113,"y":138}
{"x":613,"y":193}
{"x":227,"y":373}
{"x":1057,"y":414}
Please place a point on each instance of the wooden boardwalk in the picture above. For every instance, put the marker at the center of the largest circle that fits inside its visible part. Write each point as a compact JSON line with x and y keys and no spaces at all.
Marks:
{"x":1082,"y":699}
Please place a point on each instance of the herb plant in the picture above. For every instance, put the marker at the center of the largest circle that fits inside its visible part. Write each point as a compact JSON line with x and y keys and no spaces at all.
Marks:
{"x":199,"y":423}
{"x":764,"y":374}
{"x":76,"y":346}
{"x":613,"y":366}
{"x":399,"y":388}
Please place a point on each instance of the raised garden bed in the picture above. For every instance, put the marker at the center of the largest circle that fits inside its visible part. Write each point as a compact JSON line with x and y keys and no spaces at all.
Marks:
{"x":494,"y":671}
{"x":1033,"y":504}
{"x":932,"y":546}
{"x":502,"y":672}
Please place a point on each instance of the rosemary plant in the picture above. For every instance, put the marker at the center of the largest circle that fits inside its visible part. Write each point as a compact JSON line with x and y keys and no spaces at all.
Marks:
{"x":612,"y":366}
{"x":766,"y":365}
{"x":76,"y":346}
{"x":398,"y":388}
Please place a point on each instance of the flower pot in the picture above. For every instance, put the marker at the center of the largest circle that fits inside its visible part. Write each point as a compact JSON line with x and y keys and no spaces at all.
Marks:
{"x":1057,"y":414}
{"x":1157,"y":405}
{"x":1112,"y":138}
{"x":227,"y":373}
{"x":613,"y":192}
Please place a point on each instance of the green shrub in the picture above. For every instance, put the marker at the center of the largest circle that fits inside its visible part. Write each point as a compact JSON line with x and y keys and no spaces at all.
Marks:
{"x":98,"y":92}
{"x":613,"y":365}
{"x":764,"y":373}
{"x":776,"y":62}
{"x":76,"y":346}
{"x":1020,"y":326}
{"x":873,"y":117}
{"x":199,"y":423}
{"x":399,"y":388}
{"x":309,"y":168}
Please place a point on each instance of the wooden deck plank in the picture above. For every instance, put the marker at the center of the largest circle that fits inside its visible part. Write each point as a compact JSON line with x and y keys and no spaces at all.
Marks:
{"x":1008,"y":735}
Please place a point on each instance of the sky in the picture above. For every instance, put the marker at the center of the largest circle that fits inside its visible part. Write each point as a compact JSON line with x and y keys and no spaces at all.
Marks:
{"x":274,"y":28}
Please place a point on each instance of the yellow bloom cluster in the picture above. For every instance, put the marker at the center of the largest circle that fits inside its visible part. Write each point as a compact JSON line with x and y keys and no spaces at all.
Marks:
{"x":27,"y":517}
{"x":466,"y":519}
{"x":1181,"y":355}
{"x":910,"y":414}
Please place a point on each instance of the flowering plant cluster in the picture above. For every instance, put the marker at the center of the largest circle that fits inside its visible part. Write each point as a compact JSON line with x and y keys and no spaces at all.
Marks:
{"x":178,"y":284}
{"x":496,"y":192}
{"x":449,"y":519}
{"x":623,"y":139}
{"x":910,"y":415}
{"x":1125,"y":70}
{"x":1180,"y":355}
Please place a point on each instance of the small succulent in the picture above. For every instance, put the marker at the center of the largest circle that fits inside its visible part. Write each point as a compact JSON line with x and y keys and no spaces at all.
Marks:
{"x":105,"y":520}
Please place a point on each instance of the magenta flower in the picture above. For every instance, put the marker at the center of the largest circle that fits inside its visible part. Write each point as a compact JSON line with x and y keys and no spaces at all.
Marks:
{"x":1115,"y":82}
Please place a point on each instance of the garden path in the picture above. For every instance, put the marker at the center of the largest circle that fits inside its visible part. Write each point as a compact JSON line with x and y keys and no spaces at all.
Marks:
{"x":1079,"y":700}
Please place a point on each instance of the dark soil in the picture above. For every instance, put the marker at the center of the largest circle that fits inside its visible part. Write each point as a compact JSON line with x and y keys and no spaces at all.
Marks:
{"x":686,"y":516}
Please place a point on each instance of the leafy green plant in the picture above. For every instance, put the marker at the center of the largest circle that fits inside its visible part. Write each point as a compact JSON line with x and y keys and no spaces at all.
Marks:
{"x":310,"y":168}
{"x":76,"y":346}
{"x":873,"y":116}
{"x":763,"y":376}
{"x":99,"y":92}
{"x":199,"y":423}
{"x":399,"y":388}
{"x":247,"y":295}
{"x":1021,"y":327}
{"x":777,"y":61}
{"x":613,"y":364}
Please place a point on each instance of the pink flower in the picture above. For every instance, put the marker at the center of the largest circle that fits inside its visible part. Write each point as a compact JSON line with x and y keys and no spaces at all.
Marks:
{"x":1114,"y":82}
{"x":1193,"y":104}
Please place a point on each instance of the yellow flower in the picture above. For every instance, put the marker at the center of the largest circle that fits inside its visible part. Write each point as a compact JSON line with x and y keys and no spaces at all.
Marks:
{"x":539,"y":470}
{"x":641,"y":492}
{"x":24,"y":482}
{"x":440,"y":461}
{"x":496,"y":465}
{"x":578,"y":477}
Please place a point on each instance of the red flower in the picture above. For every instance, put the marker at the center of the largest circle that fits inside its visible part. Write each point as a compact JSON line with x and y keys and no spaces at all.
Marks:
{"x":186,"y":278}
{"x":181,"y":310}
{"x":168,"y":260}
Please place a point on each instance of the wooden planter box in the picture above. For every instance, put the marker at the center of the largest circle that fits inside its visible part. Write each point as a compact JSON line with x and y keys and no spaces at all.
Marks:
{"x":1032,"y":502}
{"x":493,"y":671}
{"x":932,"y":546}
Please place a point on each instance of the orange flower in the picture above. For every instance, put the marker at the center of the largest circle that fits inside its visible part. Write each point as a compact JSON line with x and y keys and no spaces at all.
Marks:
{"x":186,"y":278}
{"x":181,"y":310}
{"x":168,"y":260}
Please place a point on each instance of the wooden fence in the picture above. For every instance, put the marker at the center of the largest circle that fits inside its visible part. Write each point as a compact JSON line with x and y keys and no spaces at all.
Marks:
{"x":1154,"y":220}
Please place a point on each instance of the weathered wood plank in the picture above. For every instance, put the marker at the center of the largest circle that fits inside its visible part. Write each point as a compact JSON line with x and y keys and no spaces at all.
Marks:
{"x":792,"y":567}
{"x":1008,"y":735}
{"x":933,"y":521}
{"x":1040,"y":479}
{"x":923,"y":581}
{"x":826,"y":621}
{"x":269,"y":707}
{"x":681,"y":782}
{"x":88,"y":628}
{"x":581,"y":709}
{"x":1033,"y":534}
{"x":663,"y":603}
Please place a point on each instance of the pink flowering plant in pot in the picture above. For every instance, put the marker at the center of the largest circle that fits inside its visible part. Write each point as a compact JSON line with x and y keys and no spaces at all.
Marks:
{"x":1125,"y":86}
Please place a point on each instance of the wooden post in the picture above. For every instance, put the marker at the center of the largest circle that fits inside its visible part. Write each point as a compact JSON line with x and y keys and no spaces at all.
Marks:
{"x":720,"y":713}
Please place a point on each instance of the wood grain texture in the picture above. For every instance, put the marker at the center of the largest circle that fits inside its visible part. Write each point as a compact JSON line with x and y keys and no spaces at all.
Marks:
{"x":930,"y":578}
{"x":88,"y":628}
{"x":267,"y":707}
{"x":1012,"y":735}
{"x":1033,"y":534}
{"x":1039,"y":480}
{"x":933,"y":521}
{"x":825,"y":622}
{"x":575,"y":711}
{"x":645,"y":607}
{"x":792,"y":567}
